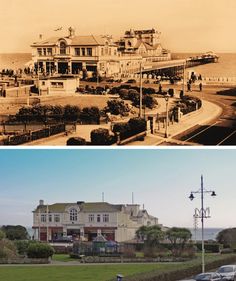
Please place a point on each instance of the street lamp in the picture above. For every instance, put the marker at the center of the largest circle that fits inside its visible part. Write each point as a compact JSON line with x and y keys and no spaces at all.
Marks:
{"x":141,"y":92}
{"x":203,"y":214}
{"x":167,"y":96}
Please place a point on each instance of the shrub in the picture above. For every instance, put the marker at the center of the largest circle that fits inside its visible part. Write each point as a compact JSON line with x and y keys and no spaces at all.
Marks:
{"x":209,"y":247}
{"x":22,"y":246}
{"x":137,"y":125}
{"x":149,"y":101}
{"x":71,"y":113}
{"x":149,"y":91}
{"x":123,"y":129}
{"x":124,"y":94}
{"x":76,"y":141}
{"x":7,"y":249}
{"x":39,"y":250}
{"x":2,"y":235}
{"x":90,"y":115}
{"x":101,"y":136}
{"x":117,"y":107}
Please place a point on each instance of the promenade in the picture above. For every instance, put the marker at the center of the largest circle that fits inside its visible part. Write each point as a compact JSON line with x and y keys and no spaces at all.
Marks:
{"x":209,"y":111}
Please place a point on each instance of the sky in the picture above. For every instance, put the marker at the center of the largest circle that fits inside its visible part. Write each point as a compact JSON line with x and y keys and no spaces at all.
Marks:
{"x":186,"y":25}
{"x":161,"y":179}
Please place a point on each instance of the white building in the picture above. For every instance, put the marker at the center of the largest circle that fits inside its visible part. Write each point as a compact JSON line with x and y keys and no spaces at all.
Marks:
{"x":61,"y":85}
{"x":87,"y":220}
{"x":73,"y":54}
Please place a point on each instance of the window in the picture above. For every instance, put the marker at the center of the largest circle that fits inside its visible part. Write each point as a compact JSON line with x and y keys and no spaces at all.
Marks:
{"x":73,"y":215}
{"x":98,"y":218}
{"x":44,"y":51}
{"x":56,"y":218}
{"x":77,"y":51}
{"x":91,"y":218}
{"x":39,"y":50}
{"x":89,"y":52}
{"x":83,"y":51}
{"x":62,"y":48}
{"x":57,"y":85}
{"x":43,"y":218}
{"x":102,"y":52}
{"x":109,"y":51}
{"x":105,"y":218}
{"x":49,"y":50}
{"x":50,"y":218}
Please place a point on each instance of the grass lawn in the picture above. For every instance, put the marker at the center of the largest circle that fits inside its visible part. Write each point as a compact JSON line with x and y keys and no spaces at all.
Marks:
{"x":63,"y":258}
{"x":83,"y":272}
{"x":74,"y":273}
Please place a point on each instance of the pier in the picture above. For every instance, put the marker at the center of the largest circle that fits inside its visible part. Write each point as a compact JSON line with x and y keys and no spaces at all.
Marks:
{"x":202,"y":59}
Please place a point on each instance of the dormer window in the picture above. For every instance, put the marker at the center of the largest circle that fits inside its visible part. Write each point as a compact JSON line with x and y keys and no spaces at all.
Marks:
{"x":73,"y":215}
{"x":62,"y":48}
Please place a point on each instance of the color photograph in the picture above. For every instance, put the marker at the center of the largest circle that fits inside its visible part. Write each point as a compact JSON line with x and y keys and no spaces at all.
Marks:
{"x":110,"y":214}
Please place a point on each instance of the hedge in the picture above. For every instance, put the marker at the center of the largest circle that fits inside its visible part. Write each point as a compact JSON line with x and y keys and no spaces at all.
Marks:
{"x":101,"y":136}
{"x":181,"y":273}
{"x":39,"y":250}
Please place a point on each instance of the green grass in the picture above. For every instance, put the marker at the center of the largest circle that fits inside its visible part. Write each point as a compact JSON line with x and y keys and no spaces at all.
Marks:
{"x":83,"y":272}
{"x":73,"y":273}
{"x":62,"y":258}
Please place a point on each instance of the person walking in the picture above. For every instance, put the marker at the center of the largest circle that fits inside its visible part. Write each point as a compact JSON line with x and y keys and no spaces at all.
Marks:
{"x":200,"y":87}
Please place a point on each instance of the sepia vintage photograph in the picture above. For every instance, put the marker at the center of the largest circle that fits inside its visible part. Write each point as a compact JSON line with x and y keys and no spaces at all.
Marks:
{"x":116,"y":72}
{"x":132,"y":215}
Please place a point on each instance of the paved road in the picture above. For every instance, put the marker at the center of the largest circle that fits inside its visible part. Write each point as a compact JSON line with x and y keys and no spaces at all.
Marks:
{"x":221,"y":131}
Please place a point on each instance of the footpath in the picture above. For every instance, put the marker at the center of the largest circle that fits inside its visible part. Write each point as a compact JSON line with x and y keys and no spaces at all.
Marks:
{"x":208,"y":112}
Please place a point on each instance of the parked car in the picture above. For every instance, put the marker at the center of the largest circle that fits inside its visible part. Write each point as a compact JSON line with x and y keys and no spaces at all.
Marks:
{"x":228,"y":272}
{"x":131,"y":81}
{"x":208,"y":276}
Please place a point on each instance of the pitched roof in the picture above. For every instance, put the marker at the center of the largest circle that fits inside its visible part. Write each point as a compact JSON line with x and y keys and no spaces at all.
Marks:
{"x":83,"y":40}
{"x":100,"y":207}
{"x":85,"y":207}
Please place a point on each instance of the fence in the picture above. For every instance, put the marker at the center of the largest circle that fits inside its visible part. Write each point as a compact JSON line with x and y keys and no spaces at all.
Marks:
{"x":34,"y":135}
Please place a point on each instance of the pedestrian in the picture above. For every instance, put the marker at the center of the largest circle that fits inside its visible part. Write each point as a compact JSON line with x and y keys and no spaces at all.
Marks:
{"x":200,"y":87}
{"x":160,"y":89}
{"x":189,"y":87}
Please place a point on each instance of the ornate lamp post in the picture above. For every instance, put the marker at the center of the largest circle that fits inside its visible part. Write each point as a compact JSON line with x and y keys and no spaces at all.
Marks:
{"x":141,"y":91}
{"x":167,"y":96}
{"x":203,"y":214}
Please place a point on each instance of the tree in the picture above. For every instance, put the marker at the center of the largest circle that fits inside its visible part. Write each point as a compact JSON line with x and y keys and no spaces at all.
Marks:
{"x":15,"y":232}
{"x":151,"y":234}
{"x":178,"y":235}
{"x":2,"y":235}
{"x":227,"y":237}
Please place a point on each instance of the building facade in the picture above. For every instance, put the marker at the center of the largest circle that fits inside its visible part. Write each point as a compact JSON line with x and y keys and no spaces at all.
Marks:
{"x":74,"y":54}
{"x":85,"y":221}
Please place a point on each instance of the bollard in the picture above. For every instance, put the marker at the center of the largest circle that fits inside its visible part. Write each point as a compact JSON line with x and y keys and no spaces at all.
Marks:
{"x":119,"y":277}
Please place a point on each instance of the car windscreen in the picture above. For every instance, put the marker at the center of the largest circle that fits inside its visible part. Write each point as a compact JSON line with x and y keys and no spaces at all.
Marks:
{"x":225,"y":269}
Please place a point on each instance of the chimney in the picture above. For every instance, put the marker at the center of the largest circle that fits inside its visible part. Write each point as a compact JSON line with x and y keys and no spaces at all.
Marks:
{"x":41,"y":202}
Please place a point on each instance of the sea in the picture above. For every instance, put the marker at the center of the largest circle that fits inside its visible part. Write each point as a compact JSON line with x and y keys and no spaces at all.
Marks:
{"x":209,"y":233}
{"x":225,"y":67}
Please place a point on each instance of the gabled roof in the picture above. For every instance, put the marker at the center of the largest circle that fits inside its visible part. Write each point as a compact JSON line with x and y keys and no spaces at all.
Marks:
{"x":100,"y":207}
{"x":84,"y":40}
{"x":95,"y":207}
